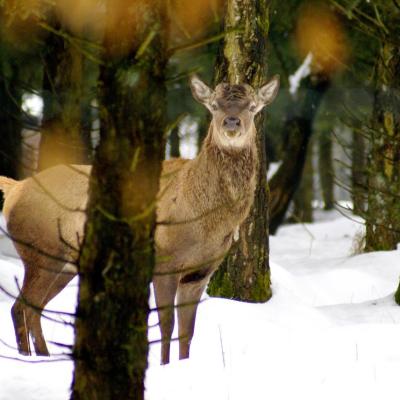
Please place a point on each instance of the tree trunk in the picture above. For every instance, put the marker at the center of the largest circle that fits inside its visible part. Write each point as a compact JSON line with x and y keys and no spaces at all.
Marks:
{"x":325,"y":166}
{"x":304,"y":196}
{"x":298,"y":128}
{"x":383,"y":215}
{"x":61,"y":140}
{"x":10,"y":123}
{"x":245,"y":274}
{"x":358,"y":173}
{"x":174,"y":142}
{"x":86,"y":131}
{"x":117,"y":257}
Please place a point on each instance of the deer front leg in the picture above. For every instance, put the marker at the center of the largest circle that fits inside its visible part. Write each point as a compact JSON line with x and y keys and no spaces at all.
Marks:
{"x":189,"y":294}
{"x":165,"y":290}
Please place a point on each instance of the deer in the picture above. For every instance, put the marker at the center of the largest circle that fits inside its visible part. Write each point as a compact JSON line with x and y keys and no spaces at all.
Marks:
{"x":200,"y":205}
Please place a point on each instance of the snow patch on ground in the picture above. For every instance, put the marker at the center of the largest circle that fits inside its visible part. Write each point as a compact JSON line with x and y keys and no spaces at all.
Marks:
{"x":330,"y":330}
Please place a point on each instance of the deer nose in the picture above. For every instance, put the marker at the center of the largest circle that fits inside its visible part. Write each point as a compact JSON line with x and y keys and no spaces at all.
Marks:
{"x":231,"y":123}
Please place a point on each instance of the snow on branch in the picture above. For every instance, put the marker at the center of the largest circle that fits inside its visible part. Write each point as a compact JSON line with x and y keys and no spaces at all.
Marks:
{"x":302,"y":72}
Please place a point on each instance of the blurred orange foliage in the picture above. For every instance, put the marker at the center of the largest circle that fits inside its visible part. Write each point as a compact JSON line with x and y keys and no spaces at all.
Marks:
{"x":193,"y":17}
{"x":320,"y":32}
{"x":19,"y":21}
{"x":79,"y":15}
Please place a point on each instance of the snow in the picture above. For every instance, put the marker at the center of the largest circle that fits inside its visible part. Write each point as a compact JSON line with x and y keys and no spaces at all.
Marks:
{"x":273,"y":168}
{"x":302,"y":72}
{"x":330,"y":330}
{"x":32,"y":104}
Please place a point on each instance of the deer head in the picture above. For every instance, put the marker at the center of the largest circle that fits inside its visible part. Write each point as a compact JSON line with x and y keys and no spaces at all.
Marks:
{"x":233,"y":108}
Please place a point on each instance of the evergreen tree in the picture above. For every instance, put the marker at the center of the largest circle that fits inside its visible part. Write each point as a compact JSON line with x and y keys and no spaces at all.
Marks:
{"x":245,"y":274}
{"x":63,"y":71}
{"x":302,"y":201}
{"x":298,"y":131}
{"x":117,"y":257}
{"x":325,"y":167}
{"x":383,"y":215}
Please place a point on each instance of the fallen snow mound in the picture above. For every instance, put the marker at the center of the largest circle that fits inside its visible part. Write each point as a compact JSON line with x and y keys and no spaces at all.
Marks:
{"x":330,"y":330}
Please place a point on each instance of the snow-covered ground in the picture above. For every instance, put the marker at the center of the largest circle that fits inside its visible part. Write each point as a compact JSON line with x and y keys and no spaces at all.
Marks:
{"x":331,"y":330}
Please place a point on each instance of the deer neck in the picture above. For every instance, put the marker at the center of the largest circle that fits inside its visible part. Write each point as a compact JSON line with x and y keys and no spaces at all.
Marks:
{"x":230,"y":172}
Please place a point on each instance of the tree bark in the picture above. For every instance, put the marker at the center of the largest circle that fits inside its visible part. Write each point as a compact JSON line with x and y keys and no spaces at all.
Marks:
{"x":117,"y":257}
{"x":325,"y":166}
{"x":174,"y":142}
{"x":245,"y":274}
{"x":61,"y":140}
{"x":298,"y":129}
{"x":383,"y":215}
{"x":304,"y":196}
{"x":10,"y":123}
{"x":358,"y":173}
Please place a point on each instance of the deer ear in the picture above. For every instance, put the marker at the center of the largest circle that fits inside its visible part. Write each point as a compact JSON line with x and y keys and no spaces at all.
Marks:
{"x":201,"y":92}
{"x":267,"y":93}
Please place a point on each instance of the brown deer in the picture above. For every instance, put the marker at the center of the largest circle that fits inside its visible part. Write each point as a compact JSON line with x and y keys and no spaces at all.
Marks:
{"x":200,"y":205}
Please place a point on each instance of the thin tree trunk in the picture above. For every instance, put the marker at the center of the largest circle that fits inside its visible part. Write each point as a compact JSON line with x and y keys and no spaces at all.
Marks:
{"x":86,"y":132}
{"x":298,"y":129}
{"x":10,"y":124}
{"x":174,"y":142}
{"x":358,"y":173}
{"x":61,"y":140}
{"x":245,"y":274}
{"x":325,"y":166}
{"x":303,"y":210}
{"x":117,"y":257}
{"x":383,"y":215}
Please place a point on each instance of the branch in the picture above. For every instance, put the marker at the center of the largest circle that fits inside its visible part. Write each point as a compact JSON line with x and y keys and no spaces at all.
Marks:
{"x":200,"y":43}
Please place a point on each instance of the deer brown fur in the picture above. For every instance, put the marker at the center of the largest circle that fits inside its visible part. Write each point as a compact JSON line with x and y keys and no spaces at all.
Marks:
{"x":201,"y":203}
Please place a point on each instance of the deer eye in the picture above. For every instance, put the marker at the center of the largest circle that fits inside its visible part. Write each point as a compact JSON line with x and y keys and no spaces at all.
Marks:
{"x":214,"y":106}
{"x":253,"y":107}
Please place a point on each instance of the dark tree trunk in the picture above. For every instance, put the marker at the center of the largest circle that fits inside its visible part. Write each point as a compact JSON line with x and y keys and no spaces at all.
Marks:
{"x":298,"y":130}
{"x":245,"y":274}
{"x":358,"y":173}
{"x":117,"y":257}
{"x":10,"y":124}
{"x":86,"y":132}
{"x":325,"y":166}
{"x":61,"y":140}
{"x":174,"y":142}
{"x":303,"y":209}
{"x":383,"y":215}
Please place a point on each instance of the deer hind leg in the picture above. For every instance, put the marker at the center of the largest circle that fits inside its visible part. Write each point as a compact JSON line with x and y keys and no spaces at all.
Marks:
{"x":19,"y":317}
{"x":190,"y":289}
{"x":40,"y":285}
{"x":165,"y":290}
{"x":36,"y":332}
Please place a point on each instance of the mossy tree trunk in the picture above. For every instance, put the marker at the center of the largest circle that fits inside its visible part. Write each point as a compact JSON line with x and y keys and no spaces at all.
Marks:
{"x":63,"y":94}
{"x":298,"y":130}
{"x":117,"y":257}
{"x":245,"y":274}
{"x":383,"y":214}
{"x":325,"y":167}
